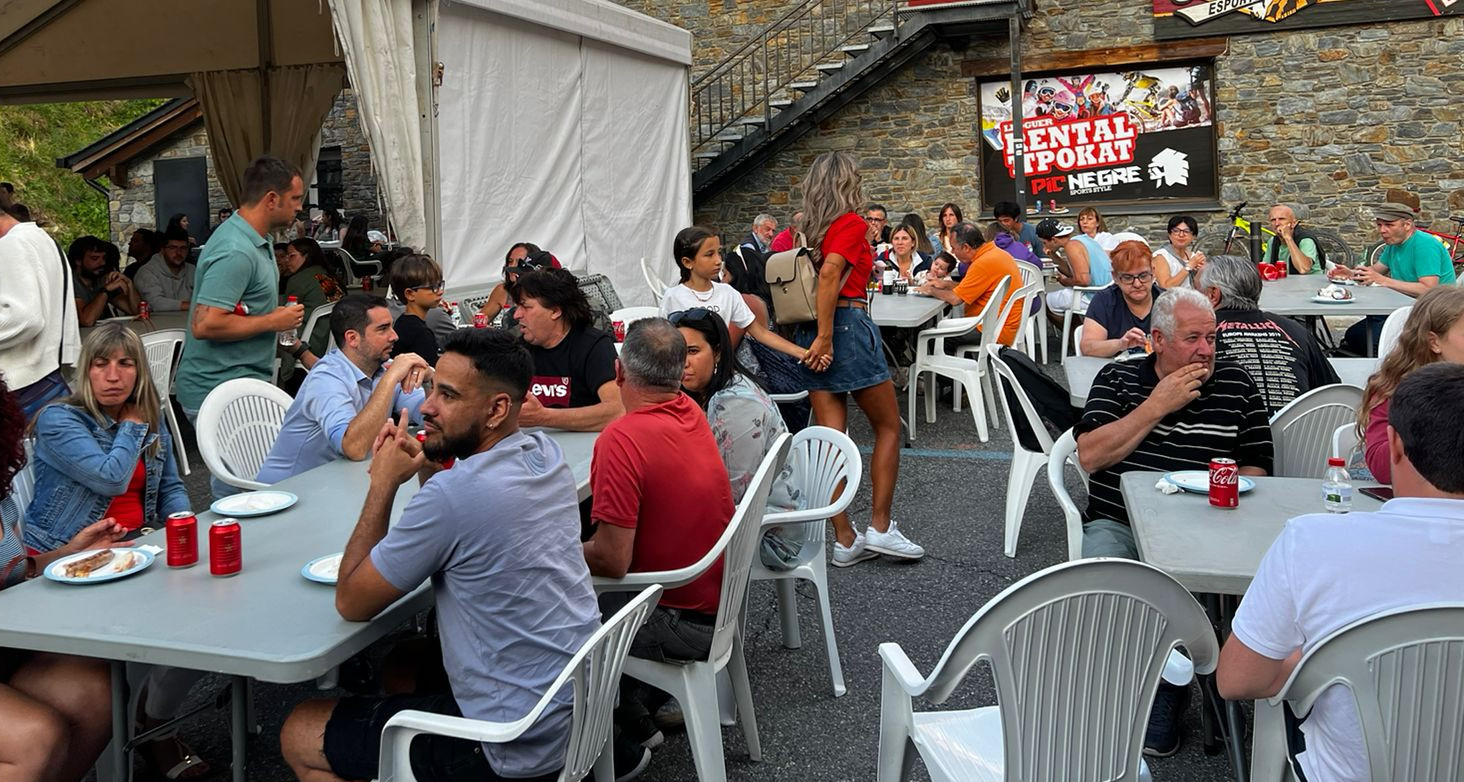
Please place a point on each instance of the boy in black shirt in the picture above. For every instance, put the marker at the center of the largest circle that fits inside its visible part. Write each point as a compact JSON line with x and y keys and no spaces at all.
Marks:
{"x":417,"y":282}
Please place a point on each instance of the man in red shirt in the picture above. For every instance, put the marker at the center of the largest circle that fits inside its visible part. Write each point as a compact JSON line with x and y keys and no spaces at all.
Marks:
{"x":661,"y":500}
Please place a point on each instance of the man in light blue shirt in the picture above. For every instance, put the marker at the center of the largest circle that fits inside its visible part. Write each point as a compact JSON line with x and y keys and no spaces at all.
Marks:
{"x":348,"y":394}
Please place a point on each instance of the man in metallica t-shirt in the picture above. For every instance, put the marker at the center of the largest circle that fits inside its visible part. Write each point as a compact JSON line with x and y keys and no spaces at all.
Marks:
{"x":573,"y":386}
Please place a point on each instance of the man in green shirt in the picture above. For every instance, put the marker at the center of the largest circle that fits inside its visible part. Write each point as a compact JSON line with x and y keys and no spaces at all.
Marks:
{"x":1411,"y":263}
{"x":1292,"y":243}
{"x":234,"y":314}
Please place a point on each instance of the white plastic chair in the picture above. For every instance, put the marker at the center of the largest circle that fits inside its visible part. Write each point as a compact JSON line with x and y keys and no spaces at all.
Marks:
{"x":22,"y":487}
{"x":1076,"y":652}
{"x":931,"y":359}
{"x":1302,"y":430}
{"x":162,"y":348}
{"x":994,"y":325}
{"x":629,"y":315}
{"x":1403,"y":668}
{"x":694,"y":684}
{"x":657,"y":287}
{"x":594,"y":672}
{"x":1025,"y":463}
{"x":826,"y":472}
{"x":316,"y":315}
{"x":1063,"y":451}
{"x":1078,"y":310}
{"x":1034,"y":328}
{"x":237,"y":425}
{"x":1344,"y":441}
{"x":1392,"y":329}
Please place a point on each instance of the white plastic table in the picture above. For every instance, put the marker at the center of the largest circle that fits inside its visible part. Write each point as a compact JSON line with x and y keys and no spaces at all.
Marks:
{"x":1216,"y":550}
{"x":1293,"y":296}
{"x":265,"y":623}
{"x":1082,"y":370}
{"x":904,"y":312}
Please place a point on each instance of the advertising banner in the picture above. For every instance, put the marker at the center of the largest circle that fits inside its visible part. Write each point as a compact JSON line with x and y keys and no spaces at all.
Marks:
{"x":1203,"y":18}
{"x":1103,"y":136}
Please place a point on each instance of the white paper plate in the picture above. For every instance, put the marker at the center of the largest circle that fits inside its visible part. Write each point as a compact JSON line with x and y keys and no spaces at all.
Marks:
{"x":1198,"y":481}
{"x":254,"y":503}
{"x":1330,"y":300}
{"x":323,"y":570}
{"x":135,"y":560}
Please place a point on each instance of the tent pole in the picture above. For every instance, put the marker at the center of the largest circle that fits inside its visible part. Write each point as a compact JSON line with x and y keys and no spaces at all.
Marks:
{"x":424,"y":46}
{"x":266,"y":56}
{"x":1019,"y":166}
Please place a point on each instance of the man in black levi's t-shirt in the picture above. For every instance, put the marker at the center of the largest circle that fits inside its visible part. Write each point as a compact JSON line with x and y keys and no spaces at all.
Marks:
{"x":573,"y":386}
{"x":1281,"y":355}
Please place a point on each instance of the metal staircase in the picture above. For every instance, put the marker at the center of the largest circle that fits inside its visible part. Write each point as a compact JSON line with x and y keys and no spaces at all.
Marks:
{"x":810,"y":63}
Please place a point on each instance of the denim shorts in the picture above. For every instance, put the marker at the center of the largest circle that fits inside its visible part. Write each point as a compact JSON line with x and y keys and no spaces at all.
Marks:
{"x":859,"y":360}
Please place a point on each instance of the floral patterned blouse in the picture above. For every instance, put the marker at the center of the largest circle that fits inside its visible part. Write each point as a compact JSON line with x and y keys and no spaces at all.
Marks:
{"x":745,"y":422}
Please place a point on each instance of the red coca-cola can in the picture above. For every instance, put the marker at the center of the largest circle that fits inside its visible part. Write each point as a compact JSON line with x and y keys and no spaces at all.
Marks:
{"x":143,"y":311}
{"x":182,"y":533}
{"x":480,"y":321}
{"x":366,"y":284}
{"x":225,"y":548}
{"x":618,"y":326}
{"x":1281,"y":269}
{"x":1224,"y":483}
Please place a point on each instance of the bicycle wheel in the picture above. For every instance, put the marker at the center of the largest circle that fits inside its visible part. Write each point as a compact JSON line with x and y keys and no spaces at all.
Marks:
{"x":1374,"y":254}
{"x":1335,"y":247}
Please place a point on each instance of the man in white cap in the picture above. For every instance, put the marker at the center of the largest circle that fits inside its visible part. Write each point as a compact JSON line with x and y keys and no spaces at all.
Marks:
{"x":1411,"y":263}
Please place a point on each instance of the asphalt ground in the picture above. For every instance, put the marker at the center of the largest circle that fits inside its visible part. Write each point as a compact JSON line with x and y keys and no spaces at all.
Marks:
{"x":950,"y":498}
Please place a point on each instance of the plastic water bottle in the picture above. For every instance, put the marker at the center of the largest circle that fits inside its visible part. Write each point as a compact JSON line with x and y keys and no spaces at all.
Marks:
{"x":1337,"y":487}
{"x":457,"y":315}
{"x":289,"y":337}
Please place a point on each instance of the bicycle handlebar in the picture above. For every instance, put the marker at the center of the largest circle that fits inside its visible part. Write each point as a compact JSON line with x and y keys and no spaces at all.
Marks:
{"x":1235,"y":215}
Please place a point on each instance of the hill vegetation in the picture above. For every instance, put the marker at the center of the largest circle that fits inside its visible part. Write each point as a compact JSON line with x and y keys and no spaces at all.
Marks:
{"x":32,"y":137}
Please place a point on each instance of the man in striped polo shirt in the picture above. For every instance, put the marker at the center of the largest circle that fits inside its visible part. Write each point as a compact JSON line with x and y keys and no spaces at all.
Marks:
{"x":1175,"y":410}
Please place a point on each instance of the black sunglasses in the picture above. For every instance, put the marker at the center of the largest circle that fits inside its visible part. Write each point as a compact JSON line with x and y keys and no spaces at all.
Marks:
{"x":693,"y":315}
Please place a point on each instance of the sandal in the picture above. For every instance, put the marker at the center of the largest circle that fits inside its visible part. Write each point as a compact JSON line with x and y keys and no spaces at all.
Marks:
{"x":186,"y":766}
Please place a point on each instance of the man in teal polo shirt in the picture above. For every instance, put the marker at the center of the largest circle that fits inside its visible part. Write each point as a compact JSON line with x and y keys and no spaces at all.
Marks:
{"x":1411,"y":263}
{"x":234,"y":313}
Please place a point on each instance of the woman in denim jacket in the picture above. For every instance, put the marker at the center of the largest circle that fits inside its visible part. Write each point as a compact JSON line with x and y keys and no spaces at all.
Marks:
{"x":104,"y":451}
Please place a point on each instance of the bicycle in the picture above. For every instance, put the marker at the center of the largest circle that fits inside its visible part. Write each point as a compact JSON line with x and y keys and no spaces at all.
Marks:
{"x":1453,"y":242}
{"x":1237,"y":242}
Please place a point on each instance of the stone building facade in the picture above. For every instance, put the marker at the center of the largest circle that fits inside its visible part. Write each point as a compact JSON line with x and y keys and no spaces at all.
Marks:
{"x":1331,"y":119}
{"x":132,"y":207}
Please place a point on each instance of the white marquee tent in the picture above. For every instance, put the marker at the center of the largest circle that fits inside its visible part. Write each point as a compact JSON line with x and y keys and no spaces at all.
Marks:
{"x":560,"y":122}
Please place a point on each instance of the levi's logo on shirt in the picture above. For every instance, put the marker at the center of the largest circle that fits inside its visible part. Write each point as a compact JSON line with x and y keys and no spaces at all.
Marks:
{"x":553,"y":391}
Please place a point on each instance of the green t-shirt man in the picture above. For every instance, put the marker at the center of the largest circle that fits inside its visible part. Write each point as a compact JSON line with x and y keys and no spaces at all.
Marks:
{"x":236,"y":273}
{"x":1307,"y":247}
{"x":1420,"y":255}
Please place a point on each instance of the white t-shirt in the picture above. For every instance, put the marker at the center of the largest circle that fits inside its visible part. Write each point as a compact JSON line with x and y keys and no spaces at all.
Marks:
{"x":723,"y":299}
{"x":1175,"y":264}
{"x":1326,"y":571}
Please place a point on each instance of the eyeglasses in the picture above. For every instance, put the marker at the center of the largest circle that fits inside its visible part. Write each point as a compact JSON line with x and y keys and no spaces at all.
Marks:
{"x":1181,"y":230}
{"x":1130,"y":279}
{"x":693,"y":315}
{"x":436,"y":287}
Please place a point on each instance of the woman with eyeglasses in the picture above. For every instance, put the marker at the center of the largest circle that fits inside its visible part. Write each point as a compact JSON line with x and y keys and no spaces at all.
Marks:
{"x":1178,"y":261}
{"x":745,"y":422}
{"x":845,"y":340}
{"x":417,"y":282}
{"x":1118,"y":316}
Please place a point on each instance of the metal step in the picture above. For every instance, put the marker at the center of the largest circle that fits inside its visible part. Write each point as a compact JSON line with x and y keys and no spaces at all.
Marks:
{"x":855,"y":50}
{"x":751,"y":121}
{"x":802,"y":86}
{"x":880,"y":30}
{"x":707,"y":154}
{"x":781,"y":103}
{"x":829,"y":67}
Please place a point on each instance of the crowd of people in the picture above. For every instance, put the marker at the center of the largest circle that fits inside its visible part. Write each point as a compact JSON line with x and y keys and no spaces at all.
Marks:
{"x":683,"y":407}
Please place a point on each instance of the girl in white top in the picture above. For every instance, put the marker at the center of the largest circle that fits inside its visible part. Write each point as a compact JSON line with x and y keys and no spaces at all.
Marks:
{"x":1178,"y":261}
{"x":699,"y":256}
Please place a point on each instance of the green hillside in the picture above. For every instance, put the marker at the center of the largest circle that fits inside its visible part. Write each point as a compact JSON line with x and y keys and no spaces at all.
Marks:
{"x":33,"y":136}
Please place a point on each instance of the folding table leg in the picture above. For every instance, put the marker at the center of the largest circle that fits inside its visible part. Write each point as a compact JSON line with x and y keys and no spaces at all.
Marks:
{"x":120,"y":756}
{"x":239,"y":724}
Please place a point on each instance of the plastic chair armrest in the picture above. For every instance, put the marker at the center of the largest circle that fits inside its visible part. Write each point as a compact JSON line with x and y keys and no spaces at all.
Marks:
{"x":419,"y":722}
{"x":899,"y":669}
{"x":949,"y":327}
{"x":634,"y":582}
{"x":804,"y":516}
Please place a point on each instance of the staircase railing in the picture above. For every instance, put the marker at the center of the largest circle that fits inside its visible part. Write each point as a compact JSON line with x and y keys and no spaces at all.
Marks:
{"x":745,"y":83}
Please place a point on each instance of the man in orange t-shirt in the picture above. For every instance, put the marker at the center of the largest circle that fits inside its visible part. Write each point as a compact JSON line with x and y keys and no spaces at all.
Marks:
{"x":989,"y":265}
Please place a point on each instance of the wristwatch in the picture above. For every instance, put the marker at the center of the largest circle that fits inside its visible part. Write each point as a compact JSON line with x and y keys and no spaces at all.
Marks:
{"x":299,"y":350}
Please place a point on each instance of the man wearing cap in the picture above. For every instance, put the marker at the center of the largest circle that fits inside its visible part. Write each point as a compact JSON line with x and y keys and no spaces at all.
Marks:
{"x":1071,"y":257}
{"x":1411,"y":262}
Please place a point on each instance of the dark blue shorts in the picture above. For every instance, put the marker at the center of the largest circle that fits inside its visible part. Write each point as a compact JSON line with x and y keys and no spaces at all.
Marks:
{"x":859,"y":360}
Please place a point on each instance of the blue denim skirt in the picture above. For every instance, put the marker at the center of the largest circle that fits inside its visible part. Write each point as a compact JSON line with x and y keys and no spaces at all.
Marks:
{"x":858,"y":358}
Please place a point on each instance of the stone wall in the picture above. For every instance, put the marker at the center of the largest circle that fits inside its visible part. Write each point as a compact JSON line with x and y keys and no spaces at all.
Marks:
{"x":131,"y":207}
{"x":1332,"y":119}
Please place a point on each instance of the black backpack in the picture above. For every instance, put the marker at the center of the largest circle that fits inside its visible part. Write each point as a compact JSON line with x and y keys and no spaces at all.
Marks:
{"x":1052,"y":401}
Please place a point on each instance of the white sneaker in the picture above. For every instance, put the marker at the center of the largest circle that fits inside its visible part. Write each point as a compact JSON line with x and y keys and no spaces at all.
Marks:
{"x":891,"y":543}
{"x":853,"y":555}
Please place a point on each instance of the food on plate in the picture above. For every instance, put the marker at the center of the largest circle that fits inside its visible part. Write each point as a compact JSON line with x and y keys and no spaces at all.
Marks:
{"x":85,"y":566}
{"x":1336,"y":292}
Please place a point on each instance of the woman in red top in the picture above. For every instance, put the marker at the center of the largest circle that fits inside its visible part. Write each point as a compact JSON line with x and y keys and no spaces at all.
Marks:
{"x":845,"y":339}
